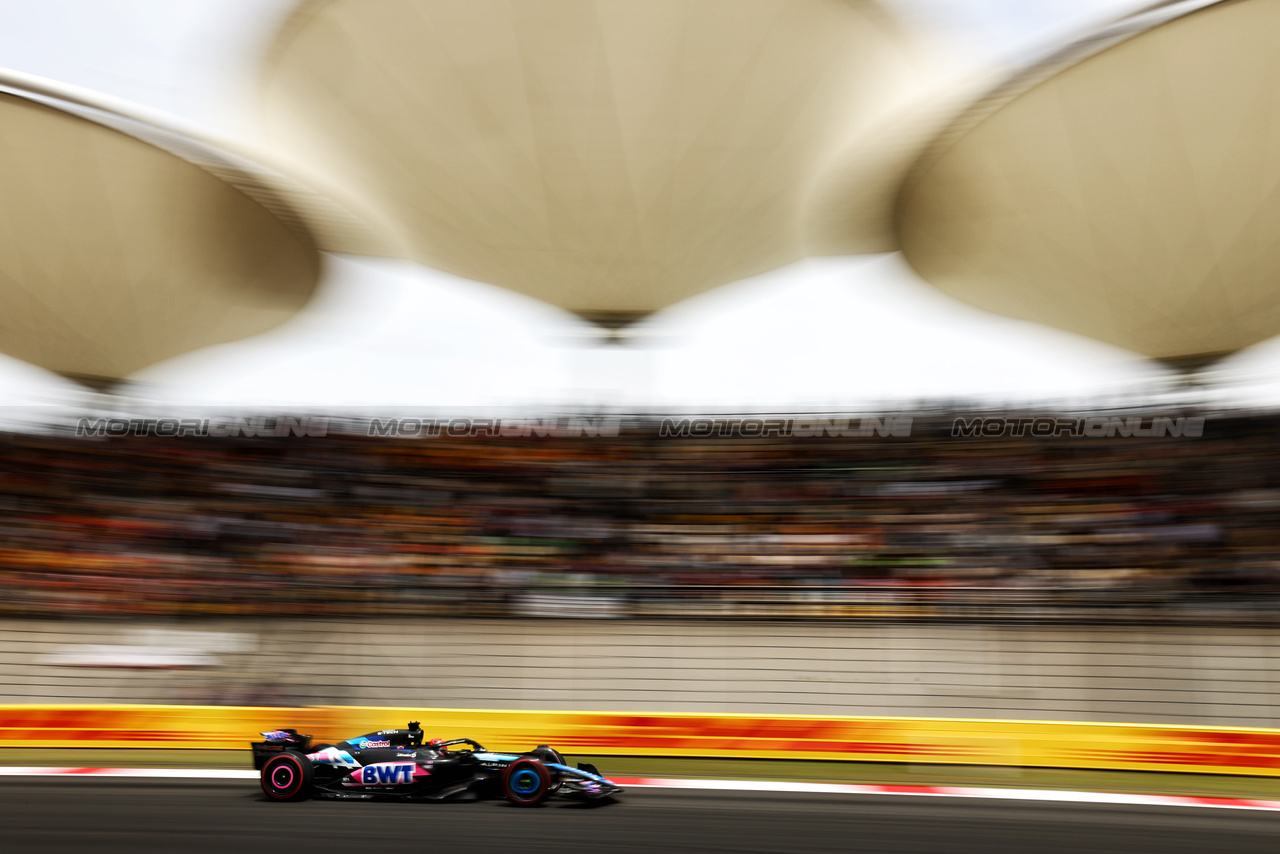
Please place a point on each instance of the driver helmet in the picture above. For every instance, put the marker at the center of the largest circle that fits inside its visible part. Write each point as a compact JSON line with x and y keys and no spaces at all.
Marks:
{"x":436,"y":744}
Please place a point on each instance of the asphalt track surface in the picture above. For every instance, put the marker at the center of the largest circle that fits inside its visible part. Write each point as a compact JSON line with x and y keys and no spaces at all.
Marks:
{"x":114,"y":815}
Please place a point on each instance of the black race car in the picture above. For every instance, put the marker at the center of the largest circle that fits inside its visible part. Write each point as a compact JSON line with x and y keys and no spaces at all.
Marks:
{"x":395,"y":763}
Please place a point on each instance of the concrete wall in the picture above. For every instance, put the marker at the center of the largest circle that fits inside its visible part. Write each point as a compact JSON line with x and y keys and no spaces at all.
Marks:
{"x":1218,"y":676}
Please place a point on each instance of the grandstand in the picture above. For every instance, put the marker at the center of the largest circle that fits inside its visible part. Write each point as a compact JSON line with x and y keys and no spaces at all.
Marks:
{"x":934,"y":519}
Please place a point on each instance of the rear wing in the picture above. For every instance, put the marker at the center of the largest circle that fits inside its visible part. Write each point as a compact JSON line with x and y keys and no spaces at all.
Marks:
{"x":277,"y":741}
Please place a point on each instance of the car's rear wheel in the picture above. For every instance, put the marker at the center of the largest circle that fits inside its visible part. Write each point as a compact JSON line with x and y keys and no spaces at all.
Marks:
{"x":287,"y":776}
{"x":526,"y":782}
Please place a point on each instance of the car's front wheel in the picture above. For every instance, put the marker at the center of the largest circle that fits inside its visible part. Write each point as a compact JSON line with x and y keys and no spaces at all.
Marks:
{"x":526,"y":782}
{"x":287,"y":776}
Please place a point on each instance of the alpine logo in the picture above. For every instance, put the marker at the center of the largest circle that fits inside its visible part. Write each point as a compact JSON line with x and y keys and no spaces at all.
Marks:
{"x":385,"y":774}
{"x":333,"y":756}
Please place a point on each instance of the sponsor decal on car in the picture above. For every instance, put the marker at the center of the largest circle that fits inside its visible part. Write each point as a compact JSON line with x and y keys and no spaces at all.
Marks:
{"x":366,"y":744}
{"x":277,"y":735}
{"x":385,"y":774}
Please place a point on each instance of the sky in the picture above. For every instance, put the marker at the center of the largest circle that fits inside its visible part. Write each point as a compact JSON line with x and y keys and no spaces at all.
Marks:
{"x":832,"y":333}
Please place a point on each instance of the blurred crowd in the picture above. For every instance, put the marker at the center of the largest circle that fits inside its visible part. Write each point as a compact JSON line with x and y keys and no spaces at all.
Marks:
{"x":639,"y":523}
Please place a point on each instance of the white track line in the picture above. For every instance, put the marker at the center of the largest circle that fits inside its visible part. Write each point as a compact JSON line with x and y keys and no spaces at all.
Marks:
{"x":956,"y":792}
{"x":188,"y":773}
{"x":1053,"y":795}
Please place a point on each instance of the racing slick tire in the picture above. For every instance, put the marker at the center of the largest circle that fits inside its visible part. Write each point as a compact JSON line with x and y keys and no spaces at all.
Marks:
{"x":287,"y":776}
{"x":526,"y":782}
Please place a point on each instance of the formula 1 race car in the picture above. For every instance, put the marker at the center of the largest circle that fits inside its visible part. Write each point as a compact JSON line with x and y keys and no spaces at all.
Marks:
{"x":395,"y":763}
